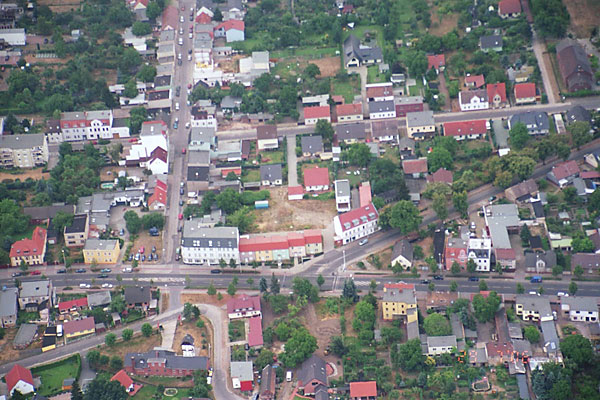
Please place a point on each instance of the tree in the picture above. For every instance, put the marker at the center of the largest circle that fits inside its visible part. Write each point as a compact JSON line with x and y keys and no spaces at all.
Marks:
{"x":525,"y":235}
{"x":278,"y":303}
{"x":132,"y":222}
{"x":572,"y":288}
{"x":485,"y":308}
{"x":364,"y":316}
{"x":231,"y":289}
{"x":103,"y":389}
{"x":482,"y":285}
{"x":116,"y":363}
{"x":211,"y":289}
{"x":440,"y":206}
{"x":437,"y":325}
{"x":61,"y":220}
{"x":440,"y":157}
{"x":471,"y":266}
{"x":519,"y":136}
{"x":312,"y":70}
{"x":431,"y":286}
{"x":461,"y":204}
{"x":359,"y":154}
{"x":228,"y":201}
{"x":262,"y":285}
{"x":275,"y":286}
{"x":303,"y":287}
{"x":76,"y":393}
{"x":153,"y":220}
{"x":531,"y":333}
{"x":298,"y":348}
{"x":455,"y":268}
{"x":409,"y":356}
{"x":578,"y":271}
{"x":324,"y":129}
{"x":520,"y":288}
{"x":127,"y":334}
{"x":153,"y":10}
{"x":320,"y":281}
{"x":349,"y":290}
{"x":265,"y":357}
{"x":146,"y":330}
{"x":93,"y":358}
{"x":110,"y":339}
{"x":243,"y":219}
{"x":578,"y":349}
{"x":137,"y":115}
{"x":453,"y":286}
{"x":582,"y":244}
{"x":580,"y":133}
{"x":404,"y":215}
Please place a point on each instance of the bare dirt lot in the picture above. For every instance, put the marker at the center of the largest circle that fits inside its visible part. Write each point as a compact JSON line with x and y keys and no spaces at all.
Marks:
{"x":584,"y":16}
{"x":35,"y":174}
{"x":60,"y":6}
{"x":284,"y":215}
{"x":191,"y":329}
{"x":204,"y":298}
{"x":9,"y":353}
{"x":138,"y":344}
{"x":442,"y":24}
{"x":329,"y":66}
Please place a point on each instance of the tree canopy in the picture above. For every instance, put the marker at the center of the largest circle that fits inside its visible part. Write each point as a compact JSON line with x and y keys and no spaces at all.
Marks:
{"x":437,"y":325}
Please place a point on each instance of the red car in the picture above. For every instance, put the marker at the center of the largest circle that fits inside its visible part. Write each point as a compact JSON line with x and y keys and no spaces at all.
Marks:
{"x":36,"y":272}
{"x":189,"y":85}
{"x":183,"y":150}
{"x":133,"y":140}
{"x":180,"y":216}
{"x":142,"y":249}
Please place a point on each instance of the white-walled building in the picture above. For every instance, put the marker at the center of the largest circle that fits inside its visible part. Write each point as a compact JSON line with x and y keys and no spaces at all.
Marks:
{"x":207,"y":246}
{"x":472,"y":100}
{"x":355,"y":224}
{"x":342,"y":195}
{"x":580,"y":309}
{"x":480,"y":251}
{"x":437,"y":345}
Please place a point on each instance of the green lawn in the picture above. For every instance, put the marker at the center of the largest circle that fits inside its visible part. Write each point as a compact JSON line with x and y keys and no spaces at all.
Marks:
{"x":373,"y":75}
{"x":148,"y":391}
{"x":348,"y":89}
{"x":360,"y":31}
{"x":237,"y":331}
{"x":307,"y":52}
{"x":250,"y":175}
{"x":354,"y":179}
{"x":52,"y":375}
{"x":271,"y":157}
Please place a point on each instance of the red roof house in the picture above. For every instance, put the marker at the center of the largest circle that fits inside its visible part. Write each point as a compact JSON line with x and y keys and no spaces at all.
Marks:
{"x":313,"y":114}
{"x":158,"y":200}
{"x":441,"y":175}
{"x":496,"y":94}
{"x":509,"y":8}
{"x":79,"y":327}
{"x":525,"y":93}
{"x":474,"y":81}
{"x":169,"y":18}
{"x":398,"y":285}
{"x":230,"y":24}
{"x":203,"y":18}
{"x":436,"y":61}
{"x":125,"y":381}
{"x":316,"y":179}
{"x":589,"y":175}
{"x":347,"y":9}
{"x":415,"y":167}
{"x":19,"y":378}
{"x":363,"y":390}
{"x":255,"y":335}
{"x":461,"y":130}
{"x":347,"y":112}
{"x":76,"y":304}
{"x":380,"y":91}
{"x":244,"y":306}
{"x":564,"y":172}
{"x":30,"y":250}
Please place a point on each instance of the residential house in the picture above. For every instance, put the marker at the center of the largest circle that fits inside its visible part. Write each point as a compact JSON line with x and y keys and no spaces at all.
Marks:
{"x":202,"y":138}
{"x":98,"y":299}
{"x":580,"y":309}
{"x":356,"y":55}
{"x":78,"y":328}
{"x":522,"y":192}
{"x":312,"y":375}
{"x":242,"y":375}
{"x":266,"y":136}
{"x":507,"y":258}
{"x":473,"y":100}
{"x":402,"y":253}
{"x":350,"y":133}
{"x":564,"y":173}
{"x":474,"y":81}
{"x":169,"y":18}
{"x":349,"y":112}
{"x":382,"y":109}
{"x":364,"y":193}
{"x":244,"y":306}
{"x":200,"y":245}
{"x":533,"y":308}
{"x":271,"y":175}
{"x":590,"y":262}
{"x":72,"y":306}
{"x":35,"y":295}
{"x":267,"y":384}
{"x":509,"y":8}
{"x":408,"y":104}
{"x":138,"y":297}
{"x":342,"y":195}
{"x":8,"y":307}
{"x":311,"y":145}
{"x":578,"y":114}
{"x":490,"y":43}
{"x":19,"y":379}
{"x":30,"y":251}
{"x":537,"y":123}
{"x":385,"y":131}
{"x":420,"y":125}
{"x":163,"y":363}
{"x":399,"y":302}
{"x":416,"y":168}
{"x":23,"y":151}
{"x":101,"y":251}
{"x":255,"y":335}
{"x":440,"y":301}
{"x":496,"y":93}
{"x":540,"y":262}
{"x":437,"y":345}
{"x":525,"y":93}
{"x":230,"y":104}
{"x":355,"y":224}
{"x":198,"y":178}
{"x":262,"y":248}
{"x":380,"y":92}
{"x":314,"y":114}
{"x":480,"y":251}
{"x":42,"y":215}
{"x":77,"y":233}
{"x":363,"y":390}
{"x":456,"y":250}
{"x":316,"y":179}
{"x":437,"y":62}
{"x":125,"y":381}
{"x":461,"y":130}
{"x":442,"y":175}
{"x":158,"y":199}
{"x":232,"y":30}
{"x":574,"y":65}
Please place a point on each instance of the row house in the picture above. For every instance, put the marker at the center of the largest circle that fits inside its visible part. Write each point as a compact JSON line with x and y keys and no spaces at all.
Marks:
{"x":408,"y":104}
{"x":350,"y":133}
{"x":385,"y":131}
{"x":473,"y":100}
{"x":232,"y":30}
{"x":204,"y":115}
{"x":533,"y":308}
{"x":461,"y":130}
{"x":355,"y":224}
{"x":580,"y":309}
{"x":72,"y":306}
{"x":382,"y":109}
{"x":380,"y":92}
{"x":8,"y":307}
{"x":480,"y":251}
{"x":23,"y":151}
{"x":313,"y":114}
{"x":163,"y":363}
{"x":456,"y":250}
{"x":36,"y":294}
{"x":101,"y":251}
{"x":201,"y":245}
{"x":349,"y":112}
{"x":86,"y":125}
{"x":420,"y":125}
{"x":279,"y":247}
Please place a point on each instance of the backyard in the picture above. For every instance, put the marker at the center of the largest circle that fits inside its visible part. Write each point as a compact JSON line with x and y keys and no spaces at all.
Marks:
{"x":53,"y":375}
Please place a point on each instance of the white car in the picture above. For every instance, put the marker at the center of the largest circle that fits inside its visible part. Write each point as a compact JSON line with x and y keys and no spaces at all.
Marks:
{"x":363,"y":242}
{"x":84,"y":286}
{"x":107,"y":285}
{"x":191,"y":35}
{"x":181,"y":19}
{"x":189,"y":59}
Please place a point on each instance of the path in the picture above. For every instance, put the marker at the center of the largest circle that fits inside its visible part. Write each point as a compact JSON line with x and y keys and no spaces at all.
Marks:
{"x":292,"y":161}
{"x":444,"y":90}
{"x":364,"y":76}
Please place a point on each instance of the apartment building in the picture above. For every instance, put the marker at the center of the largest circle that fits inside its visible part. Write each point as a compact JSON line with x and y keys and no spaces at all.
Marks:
{"x":23,"y":151}
{"x":101,"y":251}
{"x":355,"y":224}
{"x":31,"y":251}
{"x":202,"y":245}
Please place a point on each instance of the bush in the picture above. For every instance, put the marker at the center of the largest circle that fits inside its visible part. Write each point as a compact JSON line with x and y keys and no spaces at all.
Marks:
{"x":127,"y":334}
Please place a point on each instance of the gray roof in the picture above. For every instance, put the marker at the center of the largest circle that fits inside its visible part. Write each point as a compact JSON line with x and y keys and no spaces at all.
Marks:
{"x":202,"y":134}
{"x":270,"y":172}
{"x":48,"y":211}
{"x":100,"y":244}
{"x":137,"y":294}
{"x":384,"y":128}
{"x":535,"y":303}
{"x":313,"y":368}
{"x":17,"y":142}
{"x":439,"y":341}
{"x":199,"y":158}
{"x":194,"y":235}
{"x":342,"y":187}
{"x":261,"y":57}
{"x":551,"y":342}
{"x":523,"y":388}
{"x":243,"y":370}
{"x":98,"y":298}
{"x":502,"y":216}
{"x":173,"y":361}
{"x":231,"y":102}
{"x":400,"y":295}
{"x":549,"y":258}
{"x":167,"y":35}
{"x":78,"y":225}
{"x":403,"y":248}
{"x":35,"y":288}
{"x":350,"y":131}
{"x":311,"y":144}
{"x":578,"y":113}
{"x":381,"y":106}
{"x":8,"y":302}
{"x":25,"y":334}
{"x":581,"y":303}
{"x":421,"y":118}
{"x":491,"y":41}
{"x":537,"y":121}
{"x":198,"y":174}
{"x":352,"y":48}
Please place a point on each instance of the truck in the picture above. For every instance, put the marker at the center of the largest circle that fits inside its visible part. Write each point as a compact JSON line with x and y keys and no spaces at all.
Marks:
{"x":536,"y":279}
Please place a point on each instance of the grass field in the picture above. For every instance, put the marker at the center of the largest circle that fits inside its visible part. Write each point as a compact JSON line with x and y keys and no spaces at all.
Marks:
{"x":148,"y":391}
{"x":308,"y":53}
{"x":348,"y":89}
{"x":373,"y":75}
{"x":52,"y":375}
{"x":250,"y":175}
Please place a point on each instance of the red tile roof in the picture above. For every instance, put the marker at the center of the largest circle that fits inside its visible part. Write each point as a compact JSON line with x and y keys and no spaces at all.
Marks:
{"x":312,"y":236}
{"x":363,"y":389}
{"x":316,"y":177}
{"x":231,"y":24}
{"x":16,"y":374}
{"x":295,"y":239}
{"x":347,"y":9}
{"x":159,"y":195}
{"x":415,"y":166}
{"x":123,"y":379}
{"x":67,"y":305}
{"x":316,"y":112}
{"x":243,"y":302}
{"x":399,"y":285}
{"x":436,"y":61}
{"x":565,"y":169}
{"x":203,"y":18}
{"x":441,"y":175}
{"x":159,"y":154}
{"x":295,"y":190}
{"x":477,"y":80}
{"x":460,"y":128}
{"x":358,"y":216}
{"x":79,"y":325}
{"x":589,"y":174}
{"x":30,"y":247}
{"x":496,"y":88}
{"x":246,"y":386}
{"x":348,"y":109}
{"x":524,"y":90}
{"x":380,"y":91}
{"x":505,"y":254}
{"x":169,"y":18}
{"x":255,"y":335}
{"x":235,"y":170}
{"x":364,"y":193}
{"x":263,"y":243}
{"x":509,"y":7}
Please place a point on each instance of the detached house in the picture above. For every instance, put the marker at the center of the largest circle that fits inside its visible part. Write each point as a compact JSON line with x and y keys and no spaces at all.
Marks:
{"x":473,"y":100}
{"x":311,"y":145}
{"x":496,"y":93}
{"x":266,"y":136}
{"x":490,"y":43}
{"x":30,"y":251}
{"x":244,"y":306}
{"x":461,"y":130}
{"x":437,"y":345}
{"x":420,"y":125}
{"x":316,"y":179}
{"x":271,"y":175}
{"x":163,"y":363}
{"x":363,"y":390}
{"x":19,"y":379}
{"x":342,"y":195}
{"x":399,"y":301}
{"x":415,"y":168}
{"x":525,"y":93}
{"x":138,"y":297}
{"x":36,"y":294}
{"x":402,"y":253}
{"x":356,"y":55}
{"x":232,"y":30}
{"x":385,"y":131}
{"x":312,"y":375}
{"x":564,"y":173}
{"x":442,"y":175}
{"x":314,"y":114}
{"x":574,"y":65}
{"x":533,"y":308}
{"x":509,"y":8}
{"x":380,"y":92}
{"x":8,"y":307}
{"x":437,"y":62}
{"x":350,"y":133}
{"x":537,"y":123}
{"x":355,"y":224}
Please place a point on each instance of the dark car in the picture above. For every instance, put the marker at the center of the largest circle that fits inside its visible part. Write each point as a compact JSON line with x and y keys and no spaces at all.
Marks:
{"x":80,"y":270}
{"x":61,"y":271}
{"x":14,"y":274}
{"x":425,"y":281}
{"x":474,"y":278}
{"x":438,"y":277}
{"x":103,"y":276}
{"x":215,"y":271}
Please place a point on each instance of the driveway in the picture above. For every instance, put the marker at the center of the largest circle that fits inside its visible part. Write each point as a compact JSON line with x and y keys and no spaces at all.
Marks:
{"x":501,"y":134}
{"x":292,"y":161}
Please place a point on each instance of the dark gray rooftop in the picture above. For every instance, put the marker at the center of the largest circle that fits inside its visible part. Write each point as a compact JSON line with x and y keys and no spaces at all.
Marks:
{"x":311,"y":144}
{"x":271,"y":172}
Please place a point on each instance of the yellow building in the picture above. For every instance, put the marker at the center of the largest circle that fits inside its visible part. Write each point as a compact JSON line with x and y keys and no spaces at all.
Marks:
{"x":399,"y":301}
{"x":101,"y":251}
{"x":79,"y":327}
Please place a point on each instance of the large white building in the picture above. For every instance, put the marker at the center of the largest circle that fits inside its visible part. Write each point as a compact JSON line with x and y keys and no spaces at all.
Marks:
{"x":207,"y":246}
{"x":355,"y":224}
{"x":580,"y":309}
{"x":23,"y":151}
{"x":480,"y":251}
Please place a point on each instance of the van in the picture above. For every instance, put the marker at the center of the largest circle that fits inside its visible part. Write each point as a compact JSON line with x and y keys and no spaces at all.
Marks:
{"x":288,"y":376}
{"x":536,"y":279}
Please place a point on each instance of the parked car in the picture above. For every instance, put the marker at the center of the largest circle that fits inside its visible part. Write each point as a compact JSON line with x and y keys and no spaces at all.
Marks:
{"x":438,"y":277}
{"x":122,"y":232}
{"x":363,"y":242}
{"x":143,"y":257}
{"x":105,"y":270}
{"x":474,"y":278}
{"x":127,"y":269}
{"x":36,"y":272}
{"x":154,"y":249}
{"x":130,"y":258}
{"x":142,"y":250}
{"x":80,"y":270}
{"x":61,"y":271}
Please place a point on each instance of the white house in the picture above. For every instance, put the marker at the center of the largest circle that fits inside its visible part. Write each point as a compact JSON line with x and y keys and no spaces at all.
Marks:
{"x":244,"y":306}
{"x":437,"y":345}
{"x":207,"y":246}
{"x":355,"y":224}
{"x":232,"y":30}
{"x":580,"y":309}
{"x":20,"y":379}
{"x":342,"y":195}
{"x":382,"y":109}
{"x":480,"y":251}
{"x":472,"y":100}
